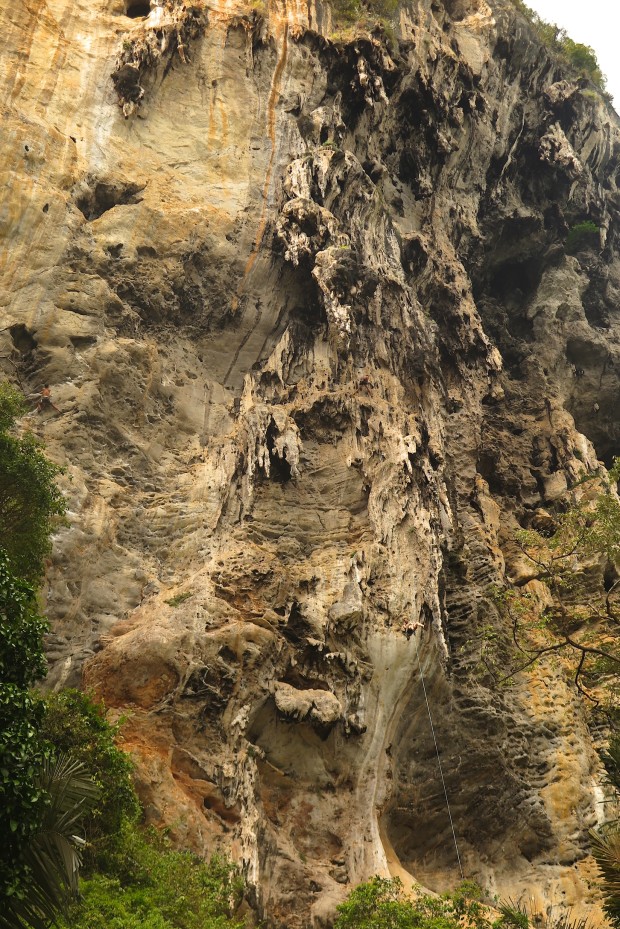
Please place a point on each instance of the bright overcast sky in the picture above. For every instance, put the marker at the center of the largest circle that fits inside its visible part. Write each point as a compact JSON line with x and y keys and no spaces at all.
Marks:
{"x":593,"y":22}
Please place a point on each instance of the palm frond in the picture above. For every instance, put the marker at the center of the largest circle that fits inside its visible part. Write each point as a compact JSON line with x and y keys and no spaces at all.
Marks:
{"x":606,"y":851}
{"x":53,"y":857}
{"x":518,"y":915}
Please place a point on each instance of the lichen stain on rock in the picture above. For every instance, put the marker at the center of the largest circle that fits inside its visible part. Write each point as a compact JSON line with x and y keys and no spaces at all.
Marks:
{"x":318,"y":351}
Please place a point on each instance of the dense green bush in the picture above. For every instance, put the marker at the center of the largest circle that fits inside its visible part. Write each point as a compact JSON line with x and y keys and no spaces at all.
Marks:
{"x":382,"y":904}
{"x":144,"y":884}
{"x":582,"y":235}
{"x":22,"y":750}
{"x":76,"y":725}
{"x":134,"y":879}
{"x":31,"y":503}
{"x":34,"y":847}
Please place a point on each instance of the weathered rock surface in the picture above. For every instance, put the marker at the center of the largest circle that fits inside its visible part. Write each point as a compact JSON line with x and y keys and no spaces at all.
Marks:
{"x":318,"y":350}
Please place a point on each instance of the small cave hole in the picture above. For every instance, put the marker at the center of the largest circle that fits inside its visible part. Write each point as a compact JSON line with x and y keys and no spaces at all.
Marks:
{"x":98,"y":197}
{"x":46,"y":208}
{"x":138,"y":9}
{"x":296,"y":628}
{"x":227,"y":654}
{"x":279,"y":468}
{"x":23,"y":339}
{"x":81,"y":342}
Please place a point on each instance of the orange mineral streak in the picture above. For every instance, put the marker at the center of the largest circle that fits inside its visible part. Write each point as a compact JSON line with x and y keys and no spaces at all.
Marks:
{"x":282,"y":40}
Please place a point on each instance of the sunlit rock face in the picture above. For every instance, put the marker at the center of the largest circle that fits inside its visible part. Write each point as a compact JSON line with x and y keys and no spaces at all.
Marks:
{"x":318,"y":349}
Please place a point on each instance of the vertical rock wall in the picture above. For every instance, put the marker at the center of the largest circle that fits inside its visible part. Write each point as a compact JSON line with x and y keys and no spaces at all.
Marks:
{"x":318,"y":349}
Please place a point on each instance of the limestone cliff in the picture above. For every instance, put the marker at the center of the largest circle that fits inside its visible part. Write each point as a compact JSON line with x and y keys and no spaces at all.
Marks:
{"x":304,"y":306}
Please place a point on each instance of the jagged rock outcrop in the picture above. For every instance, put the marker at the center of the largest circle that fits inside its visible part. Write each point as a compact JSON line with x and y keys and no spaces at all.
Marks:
{"x":306,"y":308}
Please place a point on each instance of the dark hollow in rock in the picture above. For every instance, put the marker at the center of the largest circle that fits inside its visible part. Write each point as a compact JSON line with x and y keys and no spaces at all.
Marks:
{"x":137,"y":9}
{"x":22,"y":339}
{"x":101,"y":196}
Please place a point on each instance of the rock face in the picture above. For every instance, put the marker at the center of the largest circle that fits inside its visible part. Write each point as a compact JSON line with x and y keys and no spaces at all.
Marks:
{"x":318,"y":347}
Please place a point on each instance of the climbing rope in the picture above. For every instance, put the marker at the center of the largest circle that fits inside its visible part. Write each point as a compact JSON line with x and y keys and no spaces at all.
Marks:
{"x":443,"y":780}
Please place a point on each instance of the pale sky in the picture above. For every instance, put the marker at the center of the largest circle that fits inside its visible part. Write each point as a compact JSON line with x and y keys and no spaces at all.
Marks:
{"x":593,"y":22}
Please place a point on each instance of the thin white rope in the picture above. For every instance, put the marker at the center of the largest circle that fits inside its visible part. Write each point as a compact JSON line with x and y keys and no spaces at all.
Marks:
{"x":443,"y":780}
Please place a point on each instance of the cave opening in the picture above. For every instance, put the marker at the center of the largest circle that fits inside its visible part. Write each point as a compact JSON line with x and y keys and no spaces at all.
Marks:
{"x":279,"y":468}
{"x":138,"y":9}
{"x":22,"y":338}
{"x":514,"y":281}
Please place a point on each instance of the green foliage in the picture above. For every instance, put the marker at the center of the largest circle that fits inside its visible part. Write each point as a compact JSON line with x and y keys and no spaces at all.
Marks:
{"x":75,"y":724}
{"x":22,"y":750}
{"x":22,"y":661}
{"x":144,"y":884}
{"x":52,"y":857}
{"x":22,"y":800}
{"x":31,"y":504}
{"x":355,"y":11}
{"x":12,"y":405}
{"x":582,"y":235}
{"x":583,"y":617}
{"x":606,"y":841}
{"x":581,"y":58}
{"x":382,"y":904}
{"x":606,"y":851}
{"x":518,"y":916}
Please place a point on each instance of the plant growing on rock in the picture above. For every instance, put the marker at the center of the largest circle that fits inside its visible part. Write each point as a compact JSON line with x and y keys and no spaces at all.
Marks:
{"x":356,"y":11}
{"x":580,"y":58}
{"x":575,"y":557}
{"x":582,"y":235}
{"x":606,"y":840}
{"x":31,"y":503}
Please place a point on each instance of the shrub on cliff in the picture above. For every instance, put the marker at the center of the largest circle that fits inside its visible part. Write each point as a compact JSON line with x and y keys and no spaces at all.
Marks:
{"x":581,"y":58}
{"x":580,"y":236}
{"x":31,"y":503}
{"x":355,"y":11}
{"x":381,"y":903}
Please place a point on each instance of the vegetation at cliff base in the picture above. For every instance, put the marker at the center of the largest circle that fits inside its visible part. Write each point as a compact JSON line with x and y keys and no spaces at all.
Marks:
{"x":382,"y":903}
{"x":67,"y":801}
{"x":142,"y":883}
{"x":35,"y":823}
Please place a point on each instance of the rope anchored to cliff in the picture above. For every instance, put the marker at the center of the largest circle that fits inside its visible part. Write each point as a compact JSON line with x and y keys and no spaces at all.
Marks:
{"x":443,"y":780}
